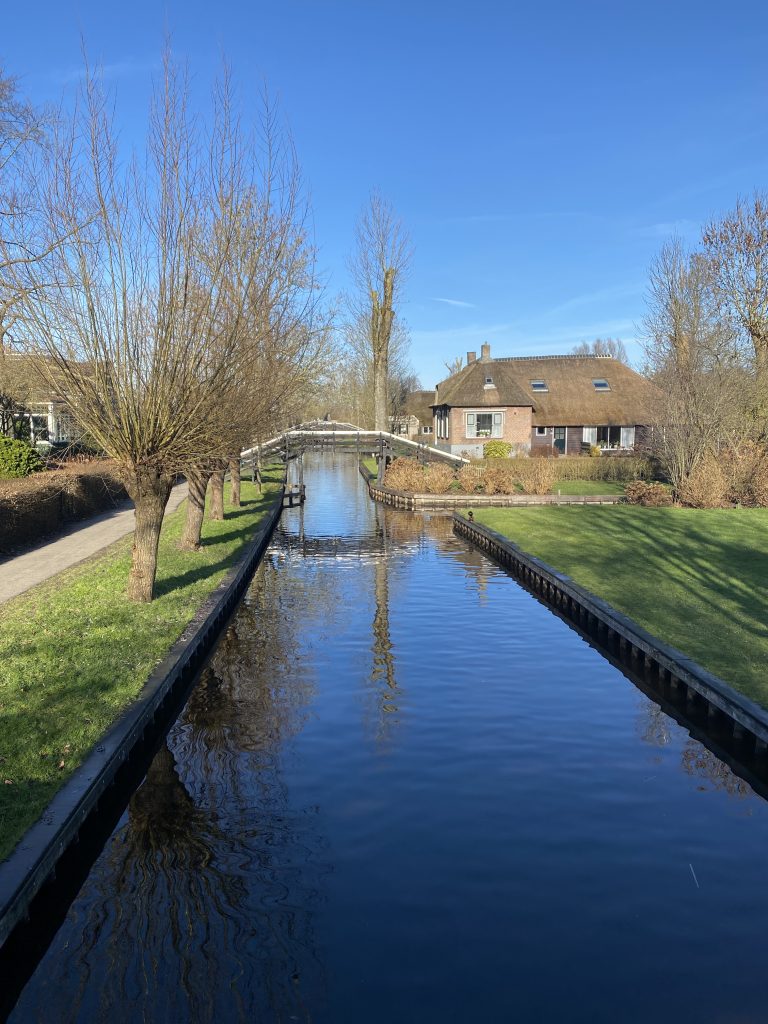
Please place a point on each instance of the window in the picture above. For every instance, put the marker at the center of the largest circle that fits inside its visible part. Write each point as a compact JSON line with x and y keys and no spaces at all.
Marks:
{"x":609,"y":437}
{"x":539,"y":385}
{"x":601,"y":384}
{"x":541,"y":431}
{"x":484,"y":424}
{"x":590,"y":435}
{"x":627,"y":437}
{"x":426,"y":430}
{"x":489,"y":380}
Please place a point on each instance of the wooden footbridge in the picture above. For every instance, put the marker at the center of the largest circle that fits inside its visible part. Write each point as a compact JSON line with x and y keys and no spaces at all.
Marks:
{"x":331,"y":435}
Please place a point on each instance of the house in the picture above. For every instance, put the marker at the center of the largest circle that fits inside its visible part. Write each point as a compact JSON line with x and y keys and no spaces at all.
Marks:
{"x":28,"y":406}
{"x":541,"y":404}
{"x":415,"y":419}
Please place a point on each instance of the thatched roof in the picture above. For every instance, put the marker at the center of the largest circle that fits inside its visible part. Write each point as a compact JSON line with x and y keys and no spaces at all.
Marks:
{"x":419,"y":404}
{"x":570,"y":398}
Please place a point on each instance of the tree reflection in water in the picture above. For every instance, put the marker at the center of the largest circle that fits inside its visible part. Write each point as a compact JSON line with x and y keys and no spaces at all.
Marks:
{"x":201,"y":907}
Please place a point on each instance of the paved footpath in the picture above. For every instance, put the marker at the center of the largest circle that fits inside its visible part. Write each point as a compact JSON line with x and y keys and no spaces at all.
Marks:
{"x":80,"y":541}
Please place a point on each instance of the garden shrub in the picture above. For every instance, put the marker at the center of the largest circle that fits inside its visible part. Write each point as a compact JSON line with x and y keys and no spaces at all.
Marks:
{"x":438,"y":478}
{"x":17,"y":459}
{"x":707,"y":486}
{"x":470,"y":479}
{"x":405,"y":474}
{"x":746,"y":468}
{"x":499,"y":478}
{"x":538,"y":476}
{"x":651,"y":495}
{"x":497,"y":450}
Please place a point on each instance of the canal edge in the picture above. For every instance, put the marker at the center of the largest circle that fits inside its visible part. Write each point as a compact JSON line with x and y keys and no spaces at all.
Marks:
{"x":35,"y":860}
{"x":411,"y":501}
{"x":689,"y":681}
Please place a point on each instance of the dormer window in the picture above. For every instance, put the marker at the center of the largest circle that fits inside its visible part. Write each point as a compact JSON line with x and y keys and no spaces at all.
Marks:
{"x":489,"y":380}
{"x":601,"y":384}
{"x":539,"y":385}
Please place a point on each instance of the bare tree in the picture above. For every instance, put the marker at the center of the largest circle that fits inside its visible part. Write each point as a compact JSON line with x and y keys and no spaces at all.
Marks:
{"x":283,"y":330}
{"x":693,"y":356}
{"x":613,"y":347}
{"x":737,"y":248}
{"x":453,"y":365}
{"x":379,"y":267}
{"x":137,"y":321}
{"x":21,"y":133}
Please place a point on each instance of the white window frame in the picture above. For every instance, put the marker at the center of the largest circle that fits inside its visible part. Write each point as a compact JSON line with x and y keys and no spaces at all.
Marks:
{"x":542,"y":431}
{"x":497,"y":423}
{"x":589,"y":435}
{"x":627,"y":437}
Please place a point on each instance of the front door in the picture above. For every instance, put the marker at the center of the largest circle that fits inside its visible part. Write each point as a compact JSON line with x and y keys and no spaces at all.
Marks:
{"x":559,"y":440}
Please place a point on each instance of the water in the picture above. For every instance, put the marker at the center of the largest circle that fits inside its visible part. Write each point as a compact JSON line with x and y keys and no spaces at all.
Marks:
{"x":404,"y":791}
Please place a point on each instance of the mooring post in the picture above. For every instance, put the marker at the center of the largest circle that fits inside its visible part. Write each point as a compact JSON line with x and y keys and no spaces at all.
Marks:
{"x":380,"y":474}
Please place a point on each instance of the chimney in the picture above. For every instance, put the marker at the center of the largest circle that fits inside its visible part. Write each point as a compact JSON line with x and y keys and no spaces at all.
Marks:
{"x":471,"y":357}
{"x":485,"y":353}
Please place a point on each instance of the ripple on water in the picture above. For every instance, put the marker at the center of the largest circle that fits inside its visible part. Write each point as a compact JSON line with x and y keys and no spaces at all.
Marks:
{"x":404,"y":790}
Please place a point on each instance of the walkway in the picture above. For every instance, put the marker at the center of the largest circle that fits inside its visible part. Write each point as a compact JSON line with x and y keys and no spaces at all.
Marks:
{"x":78,"y":542}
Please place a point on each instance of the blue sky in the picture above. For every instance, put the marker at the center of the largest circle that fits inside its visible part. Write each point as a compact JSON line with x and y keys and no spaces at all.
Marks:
{"x":539,"y":153}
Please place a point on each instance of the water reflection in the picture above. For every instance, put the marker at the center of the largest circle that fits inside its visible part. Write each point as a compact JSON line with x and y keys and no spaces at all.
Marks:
{"x":510,"y":857}
{"x":201,"y":906}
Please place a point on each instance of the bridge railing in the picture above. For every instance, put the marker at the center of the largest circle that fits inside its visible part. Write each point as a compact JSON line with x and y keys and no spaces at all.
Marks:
{"x":329,"y":433}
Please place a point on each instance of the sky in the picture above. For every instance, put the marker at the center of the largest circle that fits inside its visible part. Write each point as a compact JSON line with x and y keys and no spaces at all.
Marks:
{"x":539,"y":153}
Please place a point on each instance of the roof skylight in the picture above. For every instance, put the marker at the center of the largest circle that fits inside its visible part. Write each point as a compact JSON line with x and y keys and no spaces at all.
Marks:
{"x":539,"y":385}
{"x":601,"y":384}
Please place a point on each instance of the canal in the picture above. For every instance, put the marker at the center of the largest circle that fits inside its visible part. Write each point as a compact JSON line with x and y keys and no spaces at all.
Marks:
{"x":405,"y":791}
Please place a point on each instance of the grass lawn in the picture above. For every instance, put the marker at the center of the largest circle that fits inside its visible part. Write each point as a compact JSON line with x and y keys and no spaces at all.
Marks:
{"x":371,"y":465}
{"x":695,"y":578}
{"x":74,"y":652}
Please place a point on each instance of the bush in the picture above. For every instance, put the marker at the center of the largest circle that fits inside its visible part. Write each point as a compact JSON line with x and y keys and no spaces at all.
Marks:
{"x":438,"y":478}
{"x":405,"y":475}
{"x":17,"y":459}
{"x":707,"y":486}
{"x":539,"y":476}
{"x":497,"y":450}
{"x":470,"y":479}
{"x":652,"y":495}
{"x":499,"y":478}
{"x":746,"y":469}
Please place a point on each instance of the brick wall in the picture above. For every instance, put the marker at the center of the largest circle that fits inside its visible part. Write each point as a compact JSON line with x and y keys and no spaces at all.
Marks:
{"x":516,"y":427}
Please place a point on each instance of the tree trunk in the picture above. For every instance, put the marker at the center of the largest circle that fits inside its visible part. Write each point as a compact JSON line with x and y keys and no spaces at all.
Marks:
{"x":149,"y":491}
{"x":234,"y":476}
{"x":217,"y":495}
{"x":197,"y":479}
{"x":382,"y":316}
{"x":380,"y":370}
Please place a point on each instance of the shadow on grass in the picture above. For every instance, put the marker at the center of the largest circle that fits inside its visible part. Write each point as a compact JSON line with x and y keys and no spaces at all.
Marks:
{"x":196,"y":575}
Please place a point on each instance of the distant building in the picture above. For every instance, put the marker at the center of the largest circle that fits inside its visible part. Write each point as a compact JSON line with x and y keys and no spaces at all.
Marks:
{"x":563,"y":404}
{"x":30,"y":407}
{"x":416,"y":419}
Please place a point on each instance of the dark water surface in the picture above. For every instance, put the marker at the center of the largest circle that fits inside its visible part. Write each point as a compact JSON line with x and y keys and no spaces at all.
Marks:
{"x":404,"y":791}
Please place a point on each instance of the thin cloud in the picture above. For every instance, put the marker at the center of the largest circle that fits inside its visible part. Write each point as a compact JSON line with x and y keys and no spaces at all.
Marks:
{"x":127,"y":68}
{"x":454,"y":302}
{"x":668,"y":228}
{"x":619,"y":291}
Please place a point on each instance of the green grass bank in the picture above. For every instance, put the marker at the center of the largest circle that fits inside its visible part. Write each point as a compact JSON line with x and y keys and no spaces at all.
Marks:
{"x":694,"y":578}
{"x":74,"y":652}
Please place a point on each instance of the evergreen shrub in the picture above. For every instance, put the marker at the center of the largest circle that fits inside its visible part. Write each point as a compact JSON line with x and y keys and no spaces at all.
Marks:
{"x":17,"y":459}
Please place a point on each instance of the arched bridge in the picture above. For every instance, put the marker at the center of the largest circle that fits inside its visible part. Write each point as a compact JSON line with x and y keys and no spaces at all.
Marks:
{"x":325,"y":434}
